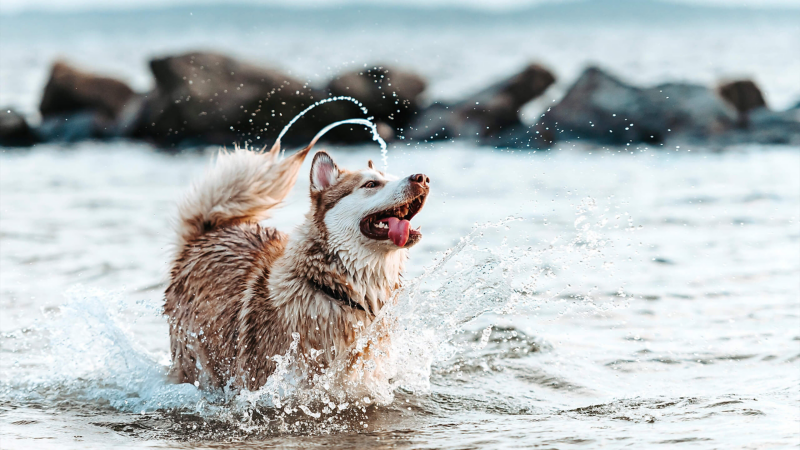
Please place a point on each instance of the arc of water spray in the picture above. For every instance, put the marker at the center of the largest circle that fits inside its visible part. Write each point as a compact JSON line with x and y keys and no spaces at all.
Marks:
{"x":366,"y":122}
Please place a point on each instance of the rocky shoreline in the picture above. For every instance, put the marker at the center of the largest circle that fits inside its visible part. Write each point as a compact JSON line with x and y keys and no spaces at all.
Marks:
{"x":207,"y":98}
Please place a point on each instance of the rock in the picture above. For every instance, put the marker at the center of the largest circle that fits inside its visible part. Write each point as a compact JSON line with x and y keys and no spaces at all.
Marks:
{"x":744,"y":95}
{"x":217,"y":99}
{"x":776,"y":127}
{"x":689,"y":110}
{"x":15,"y":131}
{"x":602,"y":108}
{"x":765,"y":127}
{"x":497,"y":107}
{"x":77,"y":105}
{"x":436,"y":122}
{"x":391,"y":96}
{"x":70,"y":91}
{"x":488,"y":115}
{"x":74,"y":127}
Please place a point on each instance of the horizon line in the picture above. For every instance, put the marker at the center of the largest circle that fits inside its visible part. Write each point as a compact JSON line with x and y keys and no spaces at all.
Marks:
{"x":478,"y":6}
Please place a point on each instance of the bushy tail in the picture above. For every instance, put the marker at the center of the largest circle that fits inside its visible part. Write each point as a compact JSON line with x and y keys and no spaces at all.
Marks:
{"x":243,"y":186}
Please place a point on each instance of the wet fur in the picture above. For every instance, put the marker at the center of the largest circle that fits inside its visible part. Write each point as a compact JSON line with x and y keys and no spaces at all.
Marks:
{"x":239,"y":291}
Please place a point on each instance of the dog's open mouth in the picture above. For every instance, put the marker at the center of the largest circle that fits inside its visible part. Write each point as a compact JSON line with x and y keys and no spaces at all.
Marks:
{"x":395,"y":223}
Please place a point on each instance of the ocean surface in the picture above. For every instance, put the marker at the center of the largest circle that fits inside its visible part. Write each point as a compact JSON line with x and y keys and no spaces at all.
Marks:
{"x":637,"y":296}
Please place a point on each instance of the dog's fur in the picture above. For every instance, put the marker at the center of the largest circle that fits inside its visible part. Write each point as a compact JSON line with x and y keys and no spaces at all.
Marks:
{"x":239,"y":291}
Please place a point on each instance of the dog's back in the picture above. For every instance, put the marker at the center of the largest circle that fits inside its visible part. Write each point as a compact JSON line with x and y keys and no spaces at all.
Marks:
{"x":222,"y":252}
{"x":204,"y":299}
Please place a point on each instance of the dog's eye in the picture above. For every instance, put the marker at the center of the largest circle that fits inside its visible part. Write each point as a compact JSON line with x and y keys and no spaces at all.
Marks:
{"x":370,"y":184}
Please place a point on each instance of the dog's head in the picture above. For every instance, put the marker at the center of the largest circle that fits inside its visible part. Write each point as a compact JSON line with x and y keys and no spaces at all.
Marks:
{"x":365,"y":208}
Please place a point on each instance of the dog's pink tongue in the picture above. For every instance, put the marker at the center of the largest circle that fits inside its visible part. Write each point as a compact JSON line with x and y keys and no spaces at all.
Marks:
{"x":398,"y":230}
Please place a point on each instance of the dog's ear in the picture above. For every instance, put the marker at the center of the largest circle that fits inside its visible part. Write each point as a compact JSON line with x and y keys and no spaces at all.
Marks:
{"x":369,"y":163}
{"x":324,"y":172}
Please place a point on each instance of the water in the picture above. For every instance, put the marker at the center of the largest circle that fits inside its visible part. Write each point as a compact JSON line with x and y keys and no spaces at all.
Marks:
{"x":366,"y":122}
{"x":598,"y":313}
{"x":579,"y":297}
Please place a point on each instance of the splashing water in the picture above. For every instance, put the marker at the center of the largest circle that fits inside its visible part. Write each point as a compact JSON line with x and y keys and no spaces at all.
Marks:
{"x":94,"y":358}
{"x":366,"y":122}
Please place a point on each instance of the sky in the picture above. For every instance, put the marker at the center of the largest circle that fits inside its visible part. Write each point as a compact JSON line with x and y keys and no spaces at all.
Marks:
{"x":11,"y":6}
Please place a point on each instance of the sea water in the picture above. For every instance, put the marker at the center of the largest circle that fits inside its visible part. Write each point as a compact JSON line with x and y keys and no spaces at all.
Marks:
{"x":585,"y":296}
{"x":574,"y":309}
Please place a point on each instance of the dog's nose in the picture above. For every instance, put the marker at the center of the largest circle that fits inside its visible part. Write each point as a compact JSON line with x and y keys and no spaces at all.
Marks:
{"x":420,"y":178}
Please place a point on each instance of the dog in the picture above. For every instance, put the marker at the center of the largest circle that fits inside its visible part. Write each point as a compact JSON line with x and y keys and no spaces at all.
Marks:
{"x":241,"y":293}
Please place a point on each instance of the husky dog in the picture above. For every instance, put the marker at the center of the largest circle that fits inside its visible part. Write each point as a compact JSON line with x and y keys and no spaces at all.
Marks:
{"x":239,"y":291}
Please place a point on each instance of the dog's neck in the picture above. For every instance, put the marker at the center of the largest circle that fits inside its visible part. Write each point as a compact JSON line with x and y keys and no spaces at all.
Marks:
{"x":312,"y":263}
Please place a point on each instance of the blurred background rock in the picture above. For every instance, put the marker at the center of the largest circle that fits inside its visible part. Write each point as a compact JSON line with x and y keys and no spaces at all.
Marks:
{"x":509,"y":75}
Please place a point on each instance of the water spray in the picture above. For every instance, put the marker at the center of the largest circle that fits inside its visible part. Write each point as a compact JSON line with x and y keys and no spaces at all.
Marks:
{"x":366,"y":122}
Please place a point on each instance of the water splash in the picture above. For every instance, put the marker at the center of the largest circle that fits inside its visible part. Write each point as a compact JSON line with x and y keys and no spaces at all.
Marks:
{"x":366,"y":122}
{"x":95,"y":359}
{"x":90,"y":355}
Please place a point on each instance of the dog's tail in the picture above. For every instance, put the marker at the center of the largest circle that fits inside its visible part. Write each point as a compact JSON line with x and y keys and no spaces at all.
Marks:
{"x":243,"y":186}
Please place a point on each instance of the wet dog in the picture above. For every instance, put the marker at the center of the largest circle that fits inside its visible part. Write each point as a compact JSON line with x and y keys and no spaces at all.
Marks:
{"x":241,"y":293}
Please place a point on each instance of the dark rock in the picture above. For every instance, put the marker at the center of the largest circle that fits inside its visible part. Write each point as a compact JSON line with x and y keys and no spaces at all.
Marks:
{"x":74,"y":127}
{"x":487,"y":116}
{"x":777,"y":127}
{"x":15,"y":131}
{"x":71,"y":91}
{"x":765,"y":127}
{"x":390,"y":95}
{"x":77,"y":105}
{"x":601,"y":108}
{"x":217,"y":99}
{"x":520,"y":136}
{"x":436,"y":122}
{"x":82,"y":125}
{"x":689,"y":110}
{"x":497,"y":107}
{"x":744,"y":95}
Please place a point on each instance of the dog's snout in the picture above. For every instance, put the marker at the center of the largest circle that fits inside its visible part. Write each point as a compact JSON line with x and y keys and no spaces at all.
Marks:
{"x":420,"y":178}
